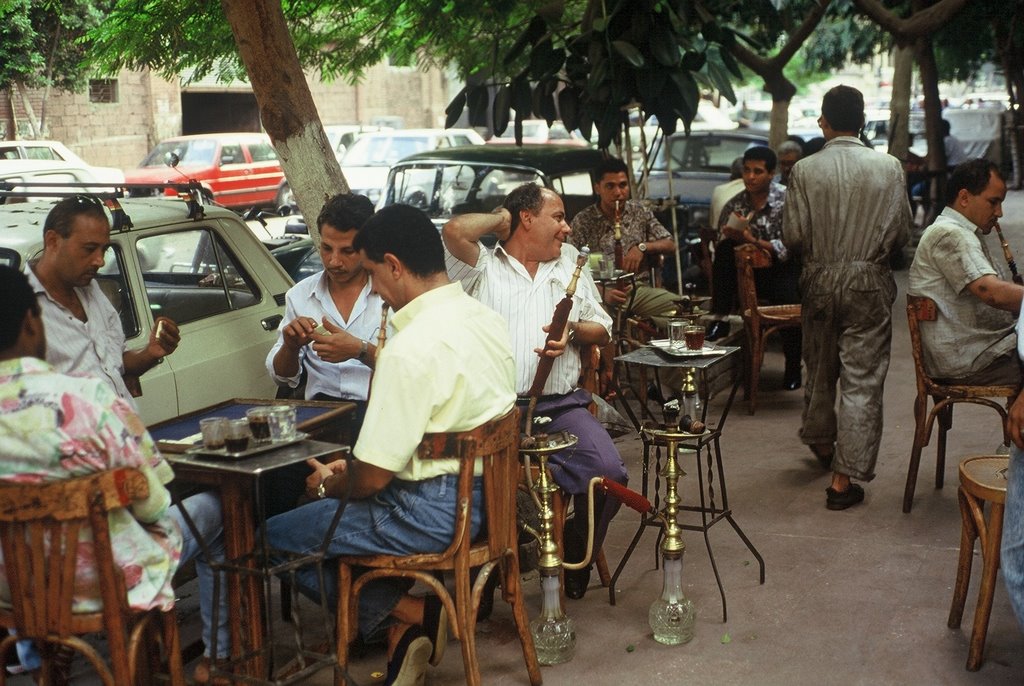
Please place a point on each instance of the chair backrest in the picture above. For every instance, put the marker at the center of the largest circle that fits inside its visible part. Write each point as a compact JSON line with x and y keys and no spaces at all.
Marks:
{"x":920,"y":309}
{"x":496,"y":443}
{"x":40,"y":525}
{"x":749,"y":258}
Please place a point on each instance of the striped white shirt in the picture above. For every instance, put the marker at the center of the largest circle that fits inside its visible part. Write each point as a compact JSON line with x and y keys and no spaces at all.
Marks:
{"x":527,"y":304}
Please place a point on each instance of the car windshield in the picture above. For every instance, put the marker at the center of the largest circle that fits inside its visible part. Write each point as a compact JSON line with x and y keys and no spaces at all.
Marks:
{"x":531,"y":129}
{"x":703,"y":153}
{"x":191,"y":152}
{"x":383,"y":151}
{"x":456,"y":188}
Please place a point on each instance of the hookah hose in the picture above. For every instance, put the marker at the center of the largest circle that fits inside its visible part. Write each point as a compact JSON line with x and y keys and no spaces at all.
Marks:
{"x":382,"y":335}
{"x":627,"y":496}
{"x":559,"y":320}
{"x":618,"y":236}
{"x":1009,"y":256}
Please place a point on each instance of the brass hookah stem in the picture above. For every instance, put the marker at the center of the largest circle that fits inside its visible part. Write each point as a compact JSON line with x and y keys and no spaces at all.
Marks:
{"x":559,"y":321}
{"x":618,"y":236}
{"x":382,"y":335}
{"x":1009,"y":256}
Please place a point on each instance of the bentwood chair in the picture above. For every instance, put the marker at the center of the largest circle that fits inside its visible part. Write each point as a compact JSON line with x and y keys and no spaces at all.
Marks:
{"x":921,"y":310}
{"x":760,"y":321}
{"x":495,"y":445}
{"x":41,"y":526}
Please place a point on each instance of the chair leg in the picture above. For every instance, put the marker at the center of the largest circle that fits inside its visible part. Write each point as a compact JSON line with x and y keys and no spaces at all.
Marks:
{"x":172,"y":644}
{"x":945,"y":424}
{"x":990,"y":568}
{"x":466,"y":618}
{"x":920,"y":440}
{"x":968,"y":534}
{"x":756,"y":358}
{"x":513,"y":593}
{"x":345,"y":615}
{"x":602,"y":568}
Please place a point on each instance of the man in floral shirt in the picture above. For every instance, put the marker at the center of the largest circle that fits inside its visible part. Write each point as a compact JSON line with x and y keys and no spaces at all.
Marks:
{"x":55,"y":426}
{"x":756,"y":218}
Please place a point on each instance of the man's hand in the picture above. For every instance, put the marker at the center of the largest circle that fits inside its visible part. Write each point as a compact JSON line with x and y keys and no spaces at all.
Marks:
{"x":297,"y":332}
{"x":1015,"y":421}
{"x":616,"y":296}
{"x":337,"y":345}
{"x":503,"y":231}
{"x":164,"y":338}
{"x":554,"y":348}
{"x":632,"y":260}
{"x":320,"y":473}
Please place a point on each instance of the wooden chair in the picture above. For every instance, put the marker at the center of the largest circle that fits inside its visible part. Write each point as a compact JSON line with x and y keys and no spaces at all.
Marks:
{"x":944,"y":396}
{"x":982,"y":480}
{"x":496,"y":444}
{"x":760,"y":321}
{"x":40,"y":525}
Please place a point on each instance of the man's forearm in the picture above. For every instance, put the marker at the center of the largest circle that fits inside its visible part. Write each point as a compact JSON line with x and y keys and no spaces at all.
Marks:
{"x":588,"y":333}
{"x":138,"y":362}
{"x":286,"y":362}
{"x":462,"y":233}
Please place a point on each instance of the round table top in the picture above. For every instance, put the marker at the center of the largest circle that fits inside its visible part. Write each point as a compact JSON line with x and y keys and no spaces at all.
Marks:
{"x":985,"y":476}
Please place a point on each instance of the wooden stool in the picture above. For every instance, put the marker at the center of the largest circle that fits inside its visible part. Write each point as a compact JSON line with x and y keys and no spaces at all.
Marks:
{"x":982,"y":479}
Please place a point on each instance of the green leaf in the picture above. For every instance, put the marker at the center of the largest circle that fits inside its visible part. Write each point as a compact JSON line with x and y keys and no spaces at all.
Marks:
{"x":534,"y":30}
{"x":500,"y":109}
{"x":629,"y":52}
{"x":650,"y":83}
{"x":544,"y":101}
{"x":454,"y":110}
{"x":664,"y":47}
{"x":545,"y":59}
{"x":569,"y":107}
{"x":726,"y":638}
{"x":687,"y":90}
{"x":479,"y":98}
{"x":522,"y":97}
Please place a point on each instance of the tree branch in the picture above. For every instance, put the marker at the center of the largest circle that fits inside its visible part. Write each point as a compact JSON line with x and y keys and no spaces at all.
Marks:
{"x":918,"y":25}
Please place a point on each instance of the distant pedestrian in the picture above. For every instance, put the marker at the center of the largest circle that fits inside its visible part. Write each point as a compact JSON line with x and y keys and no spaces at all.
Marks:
{"x":846,"y":211}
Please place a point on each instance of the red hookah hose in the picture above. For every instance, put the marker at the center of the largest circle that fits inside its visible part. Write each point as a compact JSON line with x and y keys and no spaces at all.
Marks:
{"x":629,"y":497}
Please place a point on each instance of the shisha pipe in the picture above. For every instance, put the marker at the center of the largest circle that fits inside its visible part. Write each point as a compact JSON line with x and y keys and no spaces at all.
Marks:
{"x":618,"y":236}
{"x":559,"y":320}
{"x":382,"y":335}
{"x":1009,"y":256}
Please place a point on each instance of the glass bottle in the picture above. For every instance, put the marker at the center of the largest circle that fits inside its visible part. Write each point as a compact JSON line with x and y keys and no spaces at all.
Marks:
{"x":691,"y":403}
{"x":554,"y":634}
{"x":672,"y":615}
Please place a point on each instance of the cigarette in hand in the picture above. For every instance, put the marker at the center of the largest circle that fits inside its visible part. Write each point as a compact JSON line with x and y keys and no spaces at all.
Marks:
{"x":159,"y":330}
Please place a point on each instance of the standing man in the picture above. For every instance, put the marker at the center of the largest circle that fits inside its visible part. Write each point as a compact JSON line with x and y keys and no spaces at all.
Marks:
{"x":448,"y":368}
{"x":340,"y":298}
{"x":642,"y":237}
{"x":83,"y":328}
{"x":972,"y":341}
{"x":55,"y":426}
{"x":846,"y":212}
{"x":523,"y":278}
{"x":756,"y":212}
{"x":789,"y":153}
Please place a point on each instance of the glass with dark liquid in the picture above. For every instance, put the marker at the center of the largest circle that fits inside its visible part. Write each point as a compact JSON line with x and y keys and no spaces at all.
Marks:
{"x":236,"y":438}
{"x":259,"y":423}
{"x":694,"y":336}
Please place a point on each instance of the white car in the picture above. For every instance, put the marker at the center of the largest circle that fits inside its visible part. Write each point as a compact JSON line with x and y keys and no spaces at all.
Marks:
{"x":55,"y":151}
{"x":18,"y":175}
{"x":210,"y":275}
{"x":367,"y":162}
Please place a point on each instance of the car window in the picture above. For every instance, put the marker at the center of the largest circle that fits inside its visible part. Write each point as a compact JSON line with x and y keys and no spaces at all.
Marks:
{"x":461,"y":139}
{"x":380,"y":151}
{"x":10,"y":258}
{"x":707,"y":153}
{"x":557,"y":132}
{"x":310,"y":265}
{"x":39,"y":152}
{"x":262,"y":152}
{"x":191,"y":152}
{"x":112,"y":282}
{"x":414,"y":186}
{"x":191,"y":275}
{"x":574,"y":184}
{"x":231,"y":153}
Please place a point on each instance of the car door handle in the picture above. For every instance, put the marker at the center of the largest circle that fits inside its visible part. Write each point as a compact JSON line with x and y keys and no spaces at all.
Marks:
{"x":272,"y":322}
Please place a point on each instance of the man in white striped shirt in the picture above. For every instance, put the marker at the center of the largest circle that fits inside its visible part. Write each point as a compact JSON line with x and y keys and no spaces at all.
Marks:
{"x":523,"y":278}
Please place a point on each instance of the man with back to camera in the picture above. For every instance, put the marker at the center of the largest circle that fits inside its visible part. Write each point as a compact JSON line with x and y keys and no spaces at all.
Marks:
{"x":846,"y":212}
{"x":56,"y":426}
{"x":84,"y":329}
{"x":973,"y":339}
{"x":448,"y":368}
{"x":523,"y":278}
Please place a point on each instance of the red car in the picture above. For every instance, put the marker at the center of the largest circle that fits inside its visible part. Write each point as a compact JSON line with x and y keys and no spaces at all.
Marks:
{"x":236,"y":170}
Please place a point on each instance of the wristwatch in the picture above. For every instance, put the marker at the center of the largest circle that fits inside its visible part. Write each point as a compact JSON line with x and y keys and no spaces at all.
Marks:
{"x":321,"y":490}
{"x":364,"y":348}
{"x":642,"y":247}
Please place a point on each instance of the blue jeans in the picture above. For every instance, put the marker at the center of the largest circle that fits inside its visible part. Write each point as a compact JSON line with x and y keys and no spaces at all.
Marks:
{"x":1012,"y":554}
{"x":204,"y":509}
{"x":406,"y":517}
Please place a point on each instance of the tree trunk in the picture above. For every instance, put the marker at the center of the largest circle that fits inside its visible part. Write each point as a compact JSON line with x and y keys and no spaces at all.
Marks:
{"x":899,"y":105}
{"x":1013,"y":68}
{"x":933,"y":125}
{"x":12,"y":119}
{"x":286,"y":105}
{"x":782,"y":91}
{"x":30,"y":114}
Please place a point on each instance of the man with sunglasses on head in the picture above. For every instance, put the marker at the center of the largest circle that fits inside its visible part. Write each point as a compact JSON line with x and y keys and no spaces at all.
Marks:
{"x":83,"y":328}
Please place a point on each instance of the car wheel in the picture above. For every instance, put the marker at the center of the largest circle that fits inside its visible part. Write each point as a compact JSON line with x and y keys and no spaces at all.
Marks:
{"x":285,"y":195}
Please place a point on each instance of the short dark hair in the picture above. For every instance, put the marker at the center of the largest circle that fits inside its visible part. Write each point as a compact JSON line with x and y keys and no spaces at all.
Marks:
{"x":972,"y":176}
{"x":408,"y":234}
{"x":529,"y":197}
{"x":843,"y":108}
{"x":63,"y":214}
{"x":609,"y":165}
{"x":345,"y":212}
{"x":17,"y":302}
{"x":762,"y":153}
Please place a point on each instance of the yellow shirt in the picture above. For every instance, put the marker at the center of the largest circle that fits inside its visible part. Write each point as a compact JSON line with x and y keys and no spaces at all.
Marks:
{"x":449,"y":367}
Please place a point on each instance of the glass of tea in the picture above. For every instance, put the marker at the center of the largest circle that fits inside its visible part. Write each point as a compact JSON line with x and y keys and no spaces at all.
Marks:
{"x":694,"y":336}
{"x":213,"y":430}
{"x":236,"y":437}
{"x":259,"y":423}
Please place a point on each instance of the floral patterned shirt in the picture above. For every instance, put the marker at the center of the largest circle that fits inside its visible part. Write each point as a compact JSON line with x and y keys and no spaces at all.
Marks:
{"x":767,"y":222}
{"x":637,"y":225}
{"x":55,"y":426}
